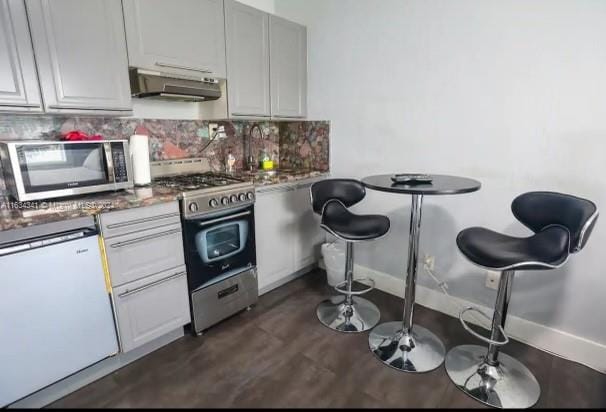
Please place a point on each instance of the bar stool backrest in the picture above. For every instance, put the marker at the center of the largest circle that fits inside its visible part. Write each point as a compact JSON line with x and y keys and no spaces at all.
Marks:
{"x":537,"y":210}
{"x":347,"y":191}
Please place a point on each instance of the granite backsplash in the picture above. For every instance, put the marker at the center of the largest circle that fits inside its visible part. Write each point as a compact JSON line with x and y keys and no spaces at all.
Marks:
{"x":292,"y":144}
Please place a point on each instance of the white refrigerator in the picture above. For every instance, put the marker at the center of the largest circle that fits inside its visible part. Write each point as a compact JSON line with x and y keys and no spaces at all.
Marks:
{"x":56,"y":316}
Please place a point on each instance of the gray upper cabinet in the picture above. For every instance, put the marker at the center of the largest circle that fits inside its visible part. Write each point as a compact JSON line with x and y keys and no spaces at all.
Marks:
{"x":288,"y":68}
{"x":247,"y":42}
{"x":18,"y":79}
{"x":178,"y":36}
{"x":81,"y":55}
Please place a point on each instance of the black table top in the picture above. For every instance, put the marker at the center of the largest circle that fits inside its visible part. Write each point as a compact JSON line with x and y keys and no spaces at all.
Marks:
{"x":440,"y":185}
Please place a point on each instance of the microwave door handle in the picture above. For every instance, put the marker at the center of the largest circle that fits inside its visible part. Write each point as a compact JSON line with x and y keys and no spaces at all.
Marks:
{"x":109,"y":161}
{"x":223,"y":219}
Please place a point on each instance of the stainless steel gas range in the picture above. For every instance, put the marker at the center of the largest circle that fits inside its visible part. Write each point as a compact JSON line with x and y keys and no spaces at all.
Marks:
{"x":217,"y":214}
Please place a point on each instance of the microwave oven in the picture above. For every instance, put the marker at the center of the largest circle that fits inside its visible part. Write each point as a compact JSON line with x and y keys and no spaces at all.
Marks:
{"x":37,"y":169}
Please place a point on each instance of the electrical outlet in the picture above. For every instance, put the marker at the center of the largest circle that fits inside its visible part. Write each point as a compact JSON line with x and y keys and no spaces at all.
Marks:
{"x":430,"y":262}
{"x":220,"y":130}
{"x":211,"y":128}
{"x":492,"y":279}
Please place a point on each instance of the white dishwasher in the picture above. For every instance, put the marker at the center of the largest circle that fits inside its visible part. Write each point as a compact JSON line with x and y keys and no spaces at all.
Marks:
{"x":56,"y":316}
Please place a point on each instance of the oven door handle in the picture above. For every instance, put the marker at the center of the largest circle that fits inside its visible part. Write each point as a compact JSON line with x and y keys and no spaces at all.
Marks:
{"x":222,"y":219}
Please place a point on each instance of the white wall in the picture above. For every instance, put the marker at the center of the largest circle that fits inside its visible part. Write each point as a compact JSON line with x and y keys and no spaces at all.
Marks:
{"x":510,"y":92}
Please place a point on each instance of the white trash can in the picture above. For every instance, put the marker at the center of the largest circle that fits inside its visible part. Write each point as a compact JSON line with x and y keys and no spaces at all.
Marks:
{"x":334,"y":260}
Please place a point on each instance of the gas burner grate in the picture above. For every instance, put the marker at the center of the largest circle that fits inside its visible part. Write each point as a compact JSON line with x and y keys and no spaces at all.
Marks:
{"x":196,"y":181}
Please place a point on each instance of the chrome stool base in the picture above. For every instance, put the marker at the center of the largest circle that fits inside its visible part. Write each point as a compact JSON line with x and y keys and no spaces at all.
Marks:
{"x":508,"y":385}
{"x":419,"y":351}
{"x":361,"y":316}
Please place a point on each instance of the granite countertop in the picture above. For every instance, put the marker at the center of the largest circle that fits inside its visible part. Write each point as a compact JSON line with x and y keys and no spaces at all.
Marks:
{"x":14,"y":215}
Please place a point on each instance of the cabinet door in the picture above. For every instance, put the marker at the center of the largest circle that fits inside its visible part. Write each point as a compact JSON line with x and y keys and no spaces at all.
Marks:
{"x":176,"y":36}
{"x":288,"y":68}
{"x":274,"y":232}
{"x":18,"y":79}
{"x":80,"y":50}
{"x":247,"y":42}
{"x":309,"y":235}
{"x":151,"y":308}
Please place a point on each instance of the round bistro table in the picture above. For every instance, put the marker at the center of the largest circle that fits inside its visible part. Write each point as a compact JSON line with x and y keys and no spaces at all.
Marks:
{"x":402,"y":345}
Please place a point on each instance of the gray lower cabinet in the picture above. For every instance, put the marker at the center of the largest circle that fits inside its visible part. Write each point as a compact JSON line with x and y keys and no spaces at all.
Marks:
{"x":81,"y":55}
{"x":19,"y":89}
{"x":288,"y":68}
{"x":284,"y":212}
{"x":145,"y":258}
{"x":150,"y":308}
{"x":184,"y":37}
{"x":247,"y":42}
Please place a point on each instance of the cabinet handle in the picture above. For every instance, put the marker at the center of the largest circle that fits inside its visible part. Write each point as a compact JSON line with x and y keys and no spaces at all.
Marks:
{"x":150,"y":285}
{"x":250,"y":115}
{"x":144,"y":238}
{"x":109,"y":109}
{"x":142,"y":220}
{"x":177,"y":66}
{"x":20,"y":105}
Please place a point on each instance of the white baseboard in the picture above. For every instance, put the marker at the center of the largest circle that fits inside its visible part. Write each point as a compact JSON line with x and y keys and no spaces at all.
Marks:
{"x":557,"y":342}
{"x":276,"y":284}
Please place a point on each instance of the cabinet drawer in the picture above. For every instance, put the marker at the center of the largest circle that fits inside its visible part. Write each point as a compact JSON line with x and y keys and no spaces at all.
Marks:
{"x":133,"y":220}
{"x":152,"y":307}
{"x":137,"y":255}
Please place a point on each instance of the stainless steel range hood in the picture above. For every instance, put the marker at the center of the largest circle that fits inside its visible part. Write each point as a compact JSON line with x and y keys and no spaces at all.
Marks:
{"x":158,"y":85}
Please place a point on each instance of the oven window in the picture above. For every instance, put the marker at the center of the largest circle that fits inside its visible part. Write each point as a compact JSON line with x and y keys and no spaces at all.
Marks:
{"x":62,"y":166}
{"x":222,"y":241}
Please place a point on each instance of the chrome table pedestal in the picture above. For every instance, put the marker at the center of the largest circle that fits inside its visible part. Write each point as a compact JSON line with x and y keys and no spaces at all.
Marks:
{"x":401,"y":345}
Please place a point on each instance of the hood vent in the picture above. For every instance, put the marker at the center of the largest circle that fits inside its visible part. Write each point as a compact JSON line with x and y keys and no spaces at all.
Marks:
{"x":157,"y":85}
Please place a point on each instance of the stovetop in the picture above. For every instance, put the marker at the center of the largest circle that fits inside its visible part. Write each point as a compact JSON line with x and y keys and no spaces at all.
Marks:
{"x":209,"y":192}
{"x":197,"y":181}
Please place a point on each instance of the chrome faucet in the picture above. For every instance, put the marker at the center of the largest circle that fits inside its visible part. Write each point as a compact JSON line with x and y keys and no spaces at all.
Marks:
{"x":250,"y":160}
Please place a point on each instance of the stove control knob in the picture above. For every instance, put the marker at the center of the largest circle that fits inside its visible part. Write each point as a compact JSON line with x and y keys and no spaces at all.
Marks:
{"x":213,"y":203}
{"x":250,"y":195}
{"x":224,"y":200}
{"x":193,"y":207}
{"x":233,"y":198}
{"x":242,"y":197}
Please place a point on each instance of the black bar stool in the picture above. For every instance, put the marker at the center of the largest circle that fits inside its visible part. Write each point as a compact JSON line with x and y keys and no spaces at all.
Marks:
{"x":330,"y":198}
{"x":561,"y":224}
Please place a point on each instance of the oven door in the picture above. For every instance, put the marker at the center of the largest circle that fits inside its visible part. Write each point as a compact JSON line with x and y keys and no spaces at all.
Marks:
{"x":219,"y":246}
{"x":63,"y":168}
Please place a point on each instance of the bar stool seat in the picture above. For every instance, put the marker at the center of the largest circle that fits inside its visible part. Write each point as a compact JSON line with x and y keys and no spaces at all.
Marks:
{"x":546,"y":249}
{"x":330,"y":198}
{"x":342,"y":223}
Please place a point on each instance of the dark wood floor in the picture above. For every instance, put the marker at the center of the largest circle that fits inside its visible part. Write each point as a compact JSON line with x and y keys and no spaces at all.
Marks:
{"x":279,"y":355}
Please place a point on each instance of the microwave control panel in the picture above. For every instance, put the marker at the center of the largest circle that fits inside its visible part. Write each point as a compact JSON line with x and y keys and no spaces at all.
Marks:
{"x":119,"y":159}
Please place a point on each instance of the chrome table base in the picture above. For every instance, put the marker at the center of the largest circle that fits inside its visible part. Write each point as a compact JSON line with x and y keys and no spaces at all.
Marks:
{"x":361,"y":316}
{"x":402,"y":345}
{"x":418,"y":351}
{"x":509,"y":384}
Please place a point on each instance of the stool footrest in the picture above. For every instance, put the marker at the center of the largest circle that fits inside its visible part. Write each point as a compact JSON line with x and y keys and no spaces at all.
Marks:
{"x":339,"y":287}
{"x":476,"y":334}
